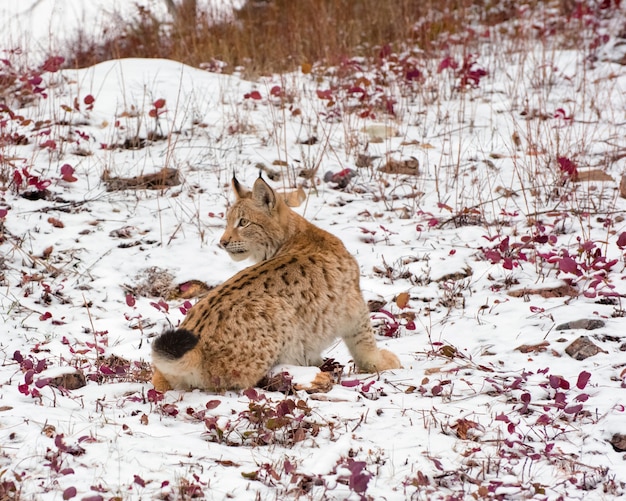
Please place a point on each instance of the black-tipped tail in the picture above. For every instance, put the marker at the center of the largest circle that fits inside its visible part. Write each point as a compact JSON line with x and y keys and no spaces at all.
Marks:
{"x":174,"y":344}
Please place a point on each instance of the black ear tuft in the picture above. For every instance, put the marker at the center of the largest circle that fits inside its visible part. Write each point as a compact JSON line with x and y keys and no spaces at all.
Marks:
{"x":240,"y":191}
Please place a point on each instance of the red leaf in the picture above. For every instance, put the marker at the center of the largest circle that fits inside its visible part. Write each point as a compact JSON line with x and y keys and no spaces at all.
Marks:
{"x":567,"y":166}
{"x":154,"y":395}
{"x":324,"y":94}
{"x":67,"y":173}
{"x":573,"y":409}
{"x":40,"y":383}
{"x":447,"y":62}
{"x":212,"y":404}
{"x":89,"y":99}
{"x":583,"y":379}
{"x":130,"y":300}
{"x":351,"y":383}
{"x":69,"y":493}
{"x":252,"y":394}
{"x":139,"y":481}
{"x":53,"y":64}
{"x":621,"y":240}
{"x":255,"y":94}
{"x":568,"y":265}
{"x":159,"y":103}
{"x":3,"y":213}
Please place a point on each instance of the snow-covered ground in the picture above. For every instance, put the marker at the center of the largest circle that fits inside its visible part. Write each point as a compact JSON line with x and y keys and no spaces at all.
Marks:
{"x":489,"y":404}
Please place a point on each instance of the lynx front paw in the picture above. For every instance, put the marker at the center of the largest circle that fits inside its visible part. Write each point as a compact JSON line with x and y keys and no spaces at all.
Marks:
{"x":388,"y":361}
{"x":380,"y":360}
{"x":159,"y":382}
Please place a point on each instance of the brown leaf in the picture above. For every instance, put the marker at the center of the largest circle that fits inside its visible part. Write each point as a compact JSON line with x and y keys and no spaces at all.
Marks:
{"x":144,"y":419}
{"x":49,"y":431}
{"x":448,"y":351}
{"x":56,"y":222}
{"x":226,"y":462}
{"x":46,"y":252}
{"x":534,"y":348}
{"x":402,"y":300}
{"x":463,"y":426}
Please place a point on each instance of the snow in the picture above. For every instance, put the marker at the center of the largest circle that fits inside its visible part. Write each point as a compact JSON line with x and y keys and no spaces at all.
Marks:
{"x":451,"y":421}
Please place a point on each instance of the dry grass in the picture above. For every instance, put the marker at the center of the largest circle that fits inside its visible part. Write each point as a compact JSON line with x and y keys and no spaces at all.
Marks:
{"x":281,"y":35}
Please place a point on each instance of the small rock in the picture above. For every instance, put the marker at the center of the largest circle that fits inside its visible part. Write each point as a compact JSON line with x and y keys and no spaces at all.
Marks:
{"x":583,"y":348}
{"x":618,"y":441}
{"x":70,"y":381}
{"x":583,"y":323}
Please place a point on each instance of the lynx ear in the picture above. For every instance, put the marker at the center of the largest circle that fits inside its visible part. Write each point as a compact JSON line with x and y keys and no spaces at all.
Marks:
{"x":240,"y":191}
{"x":263,"y":194}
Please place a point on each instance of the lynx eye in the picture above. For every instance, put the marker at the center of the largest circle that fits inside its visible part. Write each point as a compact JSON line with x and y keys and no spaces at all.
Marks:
{"x":243,"y":223}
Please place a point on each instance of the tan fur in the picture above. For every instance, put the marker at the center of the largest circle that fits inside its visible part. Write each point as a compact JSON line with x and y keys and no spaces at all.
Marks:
{"x":303,"y":293}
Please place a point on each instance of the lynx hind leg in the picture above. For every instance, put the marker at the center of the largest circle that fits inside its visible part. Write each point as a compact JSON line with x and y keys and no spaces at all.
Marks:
{"x":367,"y":355}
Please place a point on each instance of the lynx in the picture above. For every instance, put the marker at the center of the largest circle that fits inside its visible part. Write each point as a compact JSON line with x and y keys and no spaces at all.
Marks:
{"x":286,"y":309}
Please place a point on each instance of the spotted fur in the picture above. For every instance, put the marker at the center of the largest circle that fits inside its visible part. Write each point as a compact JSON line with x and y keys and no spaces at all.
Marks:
{"x":301,"y":295}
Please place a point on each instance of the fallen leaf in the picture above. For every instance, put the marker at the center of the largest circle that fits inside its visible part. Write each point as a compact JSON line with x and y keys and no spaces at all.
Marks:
{"x":56,"y":222}
{"x":402,"y":300}
{"x":533,"y":348}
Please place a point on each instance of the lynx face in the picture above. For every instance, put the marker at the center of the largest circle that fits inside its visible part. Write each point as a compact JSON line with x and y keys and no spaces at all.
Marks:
{"x":253,"y":228}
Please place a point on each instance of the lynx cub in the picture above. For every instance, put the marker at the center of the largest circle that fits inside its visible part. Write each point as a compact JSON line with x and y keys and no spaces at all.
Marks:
{"x":302,"y":294}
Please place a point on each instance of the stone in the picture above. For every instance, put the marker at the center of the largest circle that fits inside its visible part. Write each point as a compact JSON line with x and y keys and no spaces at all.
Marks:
{"x":583,"y":348}
{"x":583,"y":323}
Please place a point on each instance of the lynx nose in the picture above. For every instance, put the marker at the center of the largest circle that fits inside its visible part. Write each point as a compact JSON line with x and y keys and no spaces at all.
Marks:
{"x":224,"y":241}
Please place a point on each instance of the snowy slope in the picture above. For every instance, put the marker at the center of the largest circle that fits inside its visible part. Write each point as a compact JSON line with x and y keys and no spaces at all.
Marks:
{"x":492,"y":210}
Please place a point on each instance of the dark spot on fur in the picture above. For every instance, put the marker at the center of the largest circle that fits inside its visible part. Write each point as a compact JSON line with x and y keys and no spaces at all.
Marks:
{"x":174,"y":344}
